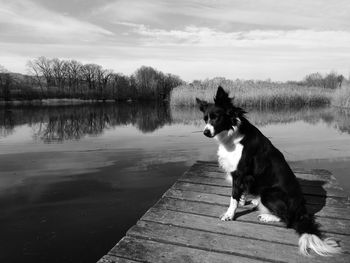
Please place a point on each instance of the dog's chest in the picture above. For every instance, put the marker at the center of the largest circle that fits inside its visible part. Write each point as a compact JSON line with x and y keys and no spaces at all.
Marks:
{"x":229,"y":158}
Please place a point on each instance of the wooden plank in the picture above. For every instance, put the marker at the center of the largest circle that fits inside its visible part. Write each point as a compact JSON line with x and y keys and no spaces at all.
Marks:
{"x":152,"y":251}
{"x":215,"y":211}
{"x":213,"y":165}
{"x":320,"y":173}
{"x":222,"y":243}
{"x":328,"y":212}
{"x":235,"y":228}
{"x":226,"y":191}
{"x":325,"y":179}
{"x":324,"y":190}
{"x":306,"y":178}
{"x":114,"y":259}
{"x":332,"y":225}
{"x":317,"y":190}
{"x":322,"y":211}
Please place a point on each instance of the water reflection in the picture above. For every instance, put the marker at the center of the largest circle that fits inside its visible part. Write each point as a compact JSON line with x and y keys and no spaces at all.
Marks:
{"x":342,"y":120}
{"x":55,"y":124}
{"x":7,"y":123}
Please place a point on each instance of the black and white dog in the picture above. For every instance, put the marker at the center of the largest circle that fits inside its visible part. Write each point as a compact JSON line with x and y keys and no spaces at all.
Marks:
{"x":260,"y":169}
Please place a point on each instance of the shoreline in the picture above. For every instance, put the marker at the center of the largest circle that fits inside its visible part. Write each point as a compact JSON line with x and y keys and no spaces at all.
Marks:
{"x":52,"y":102}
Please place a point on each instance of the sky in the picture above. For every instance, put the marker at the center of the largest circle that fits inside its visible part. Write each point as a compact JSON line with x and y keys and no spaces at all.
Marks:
{"x":195,"y":39}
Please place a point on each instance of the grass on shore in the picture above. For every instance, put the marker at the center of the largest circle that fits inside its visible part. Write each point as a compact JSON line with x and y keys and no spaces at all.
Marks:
{"x":341,"y":97}
{"x":253,"y":93}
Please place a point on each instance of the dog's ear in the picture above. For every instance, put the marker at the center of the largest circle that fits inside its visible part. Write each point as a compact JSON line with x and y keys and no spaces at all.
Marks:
{"x":221,"y":97}
{"x":203,"y":105}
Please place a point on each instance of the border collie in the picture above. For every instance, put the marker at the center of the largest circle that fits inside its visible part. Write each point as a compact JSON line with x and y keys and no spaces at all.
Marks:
{"x":260,"y":169}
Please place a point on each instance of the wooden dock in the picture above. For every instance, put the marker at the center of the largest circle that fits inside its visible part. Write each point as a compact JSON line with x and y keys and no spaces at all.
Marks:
{"x":184,"y":225}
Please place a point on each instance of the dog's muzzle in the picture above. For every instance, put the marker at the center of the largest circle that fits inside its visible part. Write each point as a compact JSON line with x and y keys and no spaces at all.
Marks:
{"x":209,"y":130}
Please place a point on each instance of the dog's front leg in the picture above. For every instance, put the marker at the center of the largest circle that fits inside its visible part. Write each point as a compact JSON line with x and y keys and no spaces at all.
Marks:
{"x":230,"y":213}
{"x":235,"y":198}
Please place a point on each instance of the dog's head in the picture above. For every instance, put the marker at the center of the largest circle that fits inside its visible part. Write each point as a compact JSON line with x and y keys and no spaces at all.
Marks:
{"x":221,"y":115}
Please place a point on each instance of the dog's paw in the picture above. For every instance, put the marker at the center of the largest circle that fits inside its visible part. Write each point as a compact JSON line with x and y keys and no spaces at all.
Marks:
{"x":268,"y":218}
{"x":228,"y":216}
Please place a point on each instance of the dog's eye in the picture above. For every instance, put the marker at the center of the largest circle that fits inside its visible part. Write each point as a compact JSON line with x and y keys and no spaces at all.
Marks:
{"x":205,"y":118}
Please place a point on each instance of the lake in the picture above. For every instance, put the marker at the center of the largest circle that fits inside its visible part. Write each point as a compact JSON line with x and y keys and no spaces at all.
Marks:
{"x":73,"y":179}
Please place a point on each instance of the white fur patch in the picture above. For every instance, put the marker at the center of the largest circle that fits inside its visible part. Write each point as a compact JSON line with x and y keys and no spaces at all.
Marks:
{"x":262,"y":209}
{"x":229,"y":157}
{"x":255,"y":202}
{"x":265,"y":214}
{"x":230,"y":213}
{"x":321,"y":247}
{"x":268,"y":218}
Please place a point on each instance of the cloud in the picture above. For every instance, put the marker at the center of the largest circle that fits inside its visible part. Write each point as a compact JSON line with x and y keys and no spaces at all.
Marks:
{"x":208,"y":37}
{"x":25,"y":21}
{"x":231,"y":14}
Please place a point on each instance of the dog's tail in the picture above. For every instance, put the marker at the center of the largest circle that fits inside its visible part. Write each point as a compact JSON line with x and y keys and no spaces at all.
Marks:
{"x":310,"y":238}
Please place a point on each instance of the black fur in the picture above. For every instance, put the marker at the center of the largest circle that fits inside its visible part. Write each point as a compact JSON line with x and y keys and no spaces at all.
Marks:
{"x":262,"y":169}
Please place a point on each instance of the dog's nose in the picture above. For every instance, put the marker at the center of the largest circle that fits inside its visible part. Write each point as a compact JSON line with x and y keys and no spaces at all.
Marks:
{"x":207,"y":133}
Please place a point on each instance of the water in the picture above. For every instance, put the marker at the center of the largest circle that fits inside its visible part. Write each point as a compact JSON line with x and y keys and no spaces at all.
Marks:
{"x":74,"y":179}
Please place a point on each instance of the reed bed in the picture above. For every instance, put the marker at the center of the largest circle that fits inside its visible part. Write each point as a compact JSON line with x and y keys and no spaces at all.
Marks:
{"x":253,"y":93}
{"x":263,"y":117}
{"x":341,"y":97}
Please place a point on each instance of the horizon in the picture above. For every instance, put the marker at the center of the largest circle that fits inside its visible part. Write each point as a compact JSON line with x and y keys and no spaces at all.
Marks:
{"x":192,"y":39}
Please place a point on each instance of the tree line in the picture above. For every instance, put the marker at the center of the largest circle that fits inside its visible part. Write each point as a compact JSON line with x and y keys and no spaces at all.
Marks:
{"x":330,"y":80}
{"x":58,"y":78}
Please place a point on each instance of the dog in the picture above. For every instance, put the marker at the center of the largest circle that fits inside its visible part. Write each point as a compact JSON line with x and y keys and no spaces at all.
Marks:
{"x":260,"y":169}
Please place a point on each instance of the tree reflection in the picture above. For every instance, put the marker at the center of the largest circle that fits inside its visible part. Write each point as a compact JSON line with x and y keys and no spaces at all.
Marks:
{"x":7,"y":122}
{"x":342,"y":120}
{"x":57,"y":124}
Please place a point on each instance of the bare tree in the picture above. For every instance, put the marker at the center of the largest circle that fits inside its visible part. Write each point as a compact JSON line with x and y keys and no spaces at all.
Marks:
{"x":41,"y":66}
{"x":74,"y":75}
{"x":5,"y":83}
{"x":331,"y":81}
{"x":103,"y":77}
{"x":89,"y":72}
{"x":153,"y":84}
{"x":146,"y":81}
{"x":58,"y":70}
{"x":314,"y":80}
{"x":121,"y":87}
{"x":340,"y":79}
